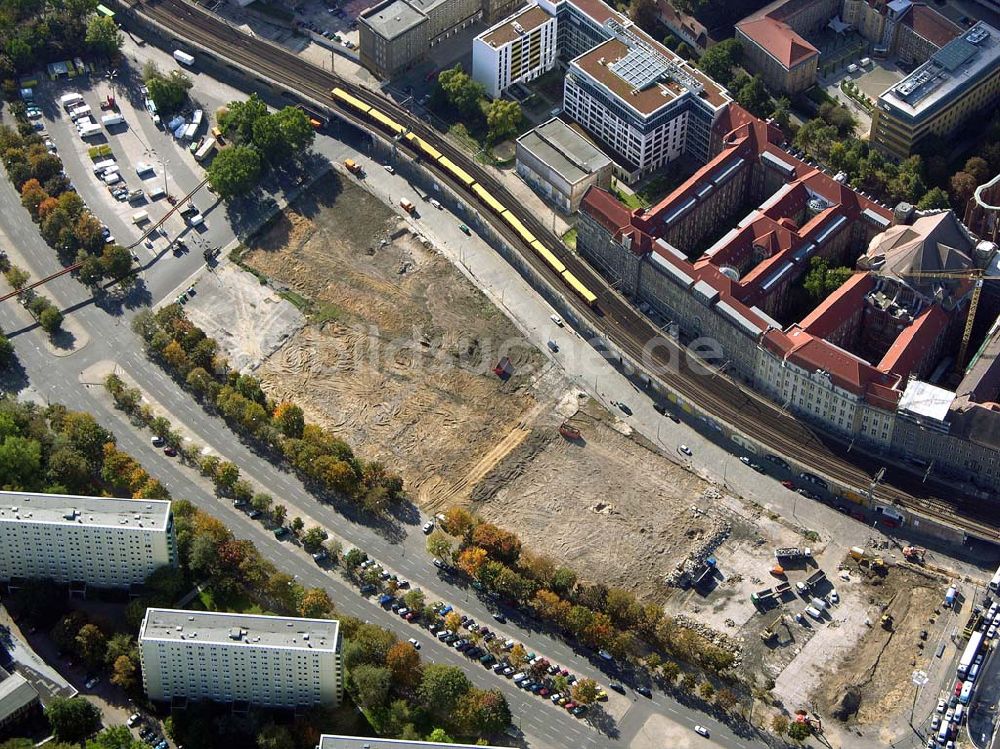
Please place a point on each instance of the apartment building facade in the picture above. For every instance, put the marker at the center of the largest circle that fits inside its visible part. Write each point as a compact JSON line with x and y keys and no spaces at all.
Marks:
{"x":959,"y":81}
{"x":516,"y":50}
{"x":270,"y":661}
{"x":98,"y":541}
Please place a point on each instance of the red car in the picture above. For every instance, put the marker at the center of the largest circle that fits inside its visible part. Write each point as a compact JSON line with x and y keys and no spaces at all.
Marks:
{"x":788,"y":484}
{"x":958,"y":688}
{"x":570,"y":705}
{"x":411,"y":616}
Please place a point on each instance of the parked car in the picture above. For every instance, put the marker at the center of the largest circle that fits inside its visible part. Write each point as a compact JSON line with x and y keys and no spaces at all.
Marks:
{"x":428,"y":527}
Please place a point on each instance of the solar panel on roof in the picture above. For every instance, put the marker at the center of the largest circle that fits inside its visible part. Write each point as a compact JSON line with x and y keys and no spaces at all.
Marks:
{"x":640,"y":67}
{"x":954,"y":54}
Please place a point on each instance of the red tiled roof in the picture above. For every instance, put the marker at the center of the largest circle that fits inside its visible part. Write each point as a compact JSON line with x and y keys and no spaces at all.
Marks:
{"x":913,"y":343}
{"x":779,"y":39}
{"x":609,"y":212}
{"x":931,"y":25}
{"x":837,"y":307}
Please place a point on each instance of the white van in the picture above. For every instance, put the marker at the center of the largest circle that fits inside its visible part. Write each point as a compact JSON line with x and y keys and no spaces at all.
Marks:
{"x":156,"y":193}
{"x":112,"y":169}
{"x":111,"y":178}
{"x":101,"y":166}
{"x":959,"y":714}
{"x":143,"y":168}
{"x":90,"y":131}
{"x":110,"y":120}
{"x":183,"y":57}
{"x":140,"y":217}
{"x":196,"y":220}
{"x":78,"y":112}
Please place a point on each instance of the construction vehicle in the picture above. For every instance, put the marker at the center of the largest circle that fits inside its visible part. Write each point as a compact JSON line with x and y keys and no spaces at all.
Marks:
{"x":886,"y":621}
{"x":767,"y":635}
{"x":353,"y":167}
{"x":406,"y":205}
{"x":816,"y":578}
{"x":778,"y":571}
{"x":792,"y":552}
{"x":914,"y":554}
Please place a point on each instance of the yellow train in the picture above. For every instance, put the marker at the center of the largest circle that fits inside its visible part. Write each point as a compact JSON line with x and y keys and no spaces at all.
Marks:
{"x":427,"y":151}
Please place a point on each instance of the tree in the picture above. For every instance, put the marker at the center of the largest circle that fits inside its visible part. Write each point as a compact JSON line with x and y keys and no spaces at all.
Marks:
{"x":72,"y":719}
{"x":821,"y":279}
{"x":125,"y":674}
{"x":779,"y":724}
{"x":719,"y":60}
{"x":585,"y":691}
{"x":753,"y":97}
{"x":91,"y":643}
{"x":371,"y":685}
{"x":32,"y":196}
{"x":978,"y":168}
{"x":414,"y":600}
{"x":51,"y":320}
{"x":670,"y":670}
{"x":645,"y":14}
{"x":961,"y":186}
{"x":799,"y":731}
{"x":403,"y":662}
{"x":438,"y":545}
{"x":262,"y":502}
{"x":452,"y":621}
{"x":458,"y":521}
{"x":289,"y":419}
{"x":240,"y":117}
{"x":482,"y":712}
{"x":504,"y":117}
{"x":168,"y":92}
{"x":17,"y":277}
{"x":500,"y":544}
{"x":461,"y":91}
{"x":438,"y":736}
{"x":471,"y":561}
{"x":441,"y":688}
{"x":315,"y":604}
{"x":296,"y":131}
{"x":933,"y":198}
{"x":273,"y":736}
{"x":20,"y":462}
{"x":235,"y":171}
{"x":279,"y":514}
{"x":103,"y":35}
{"x":115,"y":737}
{"x":312,"y":539}
{"x":6,"y":351}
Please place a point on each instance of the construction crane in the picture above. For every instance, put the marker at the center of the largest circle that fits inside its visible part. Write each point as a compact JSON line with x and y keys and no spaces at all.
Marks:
{"x":977,"y":276}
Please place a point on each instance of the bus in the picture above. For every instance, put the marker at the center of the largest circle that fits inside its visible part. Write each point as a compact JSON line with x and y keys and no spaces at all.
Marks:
{"x":995,"y":582}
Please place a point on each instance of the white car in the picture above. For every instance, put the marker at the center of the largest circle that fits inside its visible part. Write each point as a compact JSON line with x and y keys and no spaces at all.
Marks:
{"x":701,"y":731}
{"x":942,"y":705}
{"x":684,"y":449}
{"x":389,"y":169}
{"x":935,"y":722}
{"x":991,"y":632}
{"x":834,"y":596}
{"x":428,"y":527}
{"x":156,"y":441}
{"x":556,"y":319}
{"x":414,"y":642}
{"x":133,"y":719}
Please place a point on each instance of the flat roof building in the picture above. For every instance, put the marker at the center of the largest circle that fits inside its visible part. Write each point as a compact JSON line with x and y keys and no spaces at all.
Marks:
{"x":18,"y":700}
{"x":272,"y":661}
{"x":959,"y":80}
{"x":561,"y":165}
{"x":518,"y":49}
{"x":98,"y":541}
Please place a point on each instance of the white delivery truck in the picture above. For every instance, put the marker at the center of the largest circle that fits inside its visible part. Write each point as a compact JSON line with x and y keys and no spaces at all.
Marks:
{"x":142,"y":168}
{"x":183,"y":57}
{"x":90,"y":131}
{"x":100,"y":166}
{"x":196,"y":117}
{"x":83,"y":110}
{"x":156,"y":193}
{"x":140,"y":217}
{"x":70,"y":101}
{"x":110,"y":120}
{"x":189,"y":131}
{"x":196,"y":220}
{"x":111,"y":178}
{"x":206,"y":149}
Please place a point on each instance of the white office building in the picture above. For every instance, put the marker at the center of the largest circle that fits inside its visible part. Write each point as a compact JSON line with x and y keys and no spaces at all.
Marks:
{"x":518,"y":49}
{"x":98,"y":541}
{"x":271,"y":661}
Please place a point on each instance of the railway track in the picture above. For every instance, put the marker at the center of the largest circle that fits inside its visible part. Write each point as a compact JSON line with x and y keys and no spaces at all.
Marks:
{"x":624,"y":328}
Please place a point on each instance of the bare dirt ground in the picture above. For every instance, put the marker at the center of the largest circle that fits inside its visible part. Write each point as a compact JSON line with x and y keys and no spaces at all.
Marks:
{"x":398,"y":360}
{"x":246,"y":317}
{"x":871,"y":685}
{"x":608,"y":506}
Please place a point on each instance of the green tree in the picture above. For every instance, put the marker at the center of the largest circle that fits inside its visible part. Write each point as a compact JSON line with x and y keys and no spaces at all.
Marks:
{"x":753,"y":97}
{"x":290,"y":419}
{"x":439,"y":545}
{"x":279,"y":514}
{"x":461,"y":91}
{"x":503,"y":119}
{"x":297,"y":525}
{"x":296,"y":131}
{"x":262,"y":502}
{"x":585,"y":691}
{"x":72,"y":719}
{"x":438,"y":736}
{"x":779,"y":724}
{"x":240,"y":118}
{"x":933,"y":198}
{"x":442,"y":687}
{"x":20,"y":462}
{"x":799,"y":731}
{"x":371,"y":685}
{"x":17,"y":277}
{"x":645,"y":14}
{"x":125,"y":673}
{"x":312,"y":539}
{"x":51,"y":320}
{"x":168,"y":92}
{"x":235,"y":171}
{"x":961,"y":186}
{"x":6,"y":351}
{"x":821,"y":279}
{"x":719,"y":60}
{"x":103,"y":36}
{"x":114,"y":737}
{"x":91,"y":644}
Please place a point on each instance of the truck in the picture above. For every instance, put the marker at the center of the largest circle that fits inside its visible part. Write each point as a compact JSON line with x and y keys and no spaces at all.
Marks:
{"x":70,"y":101}
{"x":792,"y":552}
{"x":353,"y":167}
{"x":969,"y":654}
{"x":183,"y":57}
{"x":816,"y":578}
{"x":110,"y":120}
{"x":205,"y":150}
{"x":949,"y":596}
{"x":406,"y":205}
{"x":89,"y":131}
